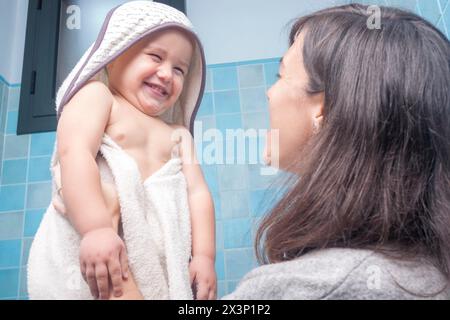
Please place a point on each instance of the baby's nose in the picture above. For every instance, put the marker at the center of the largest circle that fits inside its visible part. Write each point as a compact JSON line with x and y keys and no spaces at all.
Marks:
{"x":165,"y":73}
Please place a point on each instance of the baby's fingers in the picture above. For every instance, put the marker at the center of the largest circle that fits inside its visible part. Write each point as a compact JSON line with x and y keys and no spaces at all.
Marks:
{"x":115,"y":272}
{"x":91,"y":280}
{"x":101,"y":274}
{"x":124,"y":263}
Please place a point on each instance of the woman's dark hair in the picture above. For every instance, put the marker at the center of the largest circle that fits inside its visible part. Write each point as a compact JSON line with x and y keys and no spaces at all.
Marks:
{"x":377,"y":174}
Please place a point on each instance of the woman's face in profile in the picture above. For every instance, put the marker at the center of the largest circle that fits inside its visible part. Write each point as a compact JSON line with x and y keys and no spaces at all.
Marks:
{"x":293,"y":111}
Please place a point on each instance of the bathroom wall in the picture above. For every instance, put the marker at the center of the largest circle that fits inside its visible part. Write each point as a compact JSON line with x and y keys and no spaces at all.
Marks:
{"x":241,"y":66}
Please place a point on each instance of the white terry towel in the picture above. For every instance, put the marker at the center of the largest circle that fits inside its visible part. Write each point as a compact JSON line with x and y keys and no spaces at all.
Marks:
{"x":156,"y":227}
{"x":155,"y":215}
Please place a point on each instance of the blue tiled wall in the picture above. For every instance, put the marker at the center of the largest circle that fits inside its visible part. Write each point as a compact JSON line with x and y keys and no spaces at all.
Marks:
{"x":234,"y":98}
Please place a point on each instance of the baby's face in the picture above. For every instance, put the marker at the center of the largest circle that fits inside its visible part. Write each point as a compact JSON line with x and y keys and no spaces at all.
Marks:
{"x":151,"y":74}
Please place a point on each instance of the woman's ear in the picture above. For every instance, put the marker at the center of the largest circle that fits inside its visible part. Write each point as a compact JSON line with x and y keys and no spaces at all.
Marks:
{"x":318,"y":111}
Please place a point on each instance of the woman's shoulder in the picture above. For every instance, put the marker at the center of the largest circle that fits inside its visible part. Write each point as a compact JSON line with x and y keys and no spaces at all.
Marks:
{"x":339,"y":273}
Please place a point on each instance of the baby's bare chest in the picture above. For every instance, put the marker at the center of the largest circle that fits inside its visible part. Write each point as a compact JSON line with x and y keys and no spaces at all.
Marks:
{"x":149,"y":141}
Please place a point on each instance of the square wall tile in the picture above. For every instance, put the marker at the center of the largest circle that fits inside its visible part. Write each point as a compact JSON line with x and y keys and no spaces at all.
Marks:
{"x":14,"y":171}
{"x":33,"y":219}
{"x":251,"y":75}
{"x":238,"y":262}
{"x":12,"y":197}
{"x":234,"y":204}
{"x":257,"y":180}
{"x":9,"y":279}
{"x":270,"y":71}
{"x":256,"y":120}
{"x":10,"y":252}
{"x":260,"y":202}
{"x":11,"y":122}
{"x":211,"y":177}
{"x":227,"y":102}
{"x":39,"y":195}
{"x":225,"y":78}
{"x":254,"y":99}
{"x":228,"y":122}
{"x":232,"y":177}
{"x":207,"y":105}
{"x":11,"y":225}
{"x":16,"y":146}
{"x":39,"y":169}
{"x":42,"y":144}
{"x":237,"y":233}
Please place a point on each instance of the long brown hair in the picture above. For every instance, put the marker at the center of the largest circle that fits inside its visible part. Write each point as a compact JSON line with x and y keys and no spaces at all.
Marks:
{"x":377,"y":174}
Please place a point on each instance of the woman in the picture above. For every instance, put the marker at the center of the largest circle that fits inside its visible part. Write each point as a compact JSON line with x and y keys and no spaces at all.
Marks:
{"x":363,"y":117}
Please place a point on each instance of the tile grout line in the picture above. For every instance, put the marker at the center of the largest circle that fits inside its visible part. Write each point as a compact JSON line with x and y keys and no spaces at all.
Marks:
{"x":23,"y":221}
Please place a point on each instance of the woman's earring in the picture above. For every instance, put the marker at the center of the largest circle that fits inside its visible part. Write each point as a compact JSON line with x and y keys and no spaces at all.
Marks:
{"x":315,"y":126}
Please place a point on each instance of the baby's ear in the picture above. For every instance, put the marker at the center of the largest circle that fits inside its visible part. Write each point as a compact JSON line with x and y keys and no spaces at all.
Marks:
{"x":108,"y":66}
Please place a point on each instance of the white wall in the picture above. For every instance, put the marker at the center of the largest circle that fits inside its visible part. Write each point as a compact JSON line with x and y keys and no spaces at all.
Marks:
{"x":237,"y":30}
{"x":231,"y":30}
{"x":13,"y":17}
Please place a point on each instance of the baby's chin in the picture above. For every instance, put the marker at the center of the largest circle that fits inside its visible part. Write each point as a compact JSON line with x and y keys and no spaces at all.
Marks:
{"x":154,"y":109}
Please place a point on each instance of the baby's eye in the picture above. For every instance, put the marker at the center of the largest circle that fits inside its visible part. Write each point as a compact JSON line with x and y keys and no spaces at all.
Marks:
{"x":278,"y":76}
{"x":179,"y":71}
{"x":155,"y":57}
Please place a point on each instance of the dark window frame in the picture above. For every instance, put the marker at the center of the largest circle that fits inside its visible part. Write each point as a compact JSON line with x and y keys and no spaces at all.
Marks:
{"x":37,"y":95}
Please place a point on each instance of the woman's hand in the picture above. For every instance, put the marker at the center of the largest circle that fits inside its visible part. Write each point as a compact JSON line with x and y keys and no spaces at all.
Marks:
{"x":103,"y":258}
{"x":203,"y":277}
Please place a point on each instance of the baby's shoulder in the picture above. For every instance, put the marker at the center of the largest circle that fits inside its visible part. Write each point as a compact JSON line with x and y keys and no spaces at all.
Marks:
{"x":96,"y":89}
{"x":92,"y":93}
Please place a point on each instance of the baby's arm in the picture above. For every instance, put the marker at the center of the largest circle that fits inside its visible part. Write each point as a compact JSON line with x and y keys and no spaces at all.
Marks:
{"x":79,"y":135}
{"x":202,"y":219}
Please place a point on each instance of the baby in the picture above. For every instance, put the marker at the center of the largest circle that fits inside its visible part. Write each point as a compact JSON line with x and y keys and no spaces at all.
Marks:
{"x":147,"y":83}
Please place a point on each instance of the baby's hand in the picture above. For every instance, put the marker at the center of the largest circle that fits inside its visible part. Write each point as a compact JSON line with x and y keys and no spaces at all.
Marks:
{"x":201,"y":270}
{"x":103,"y":258}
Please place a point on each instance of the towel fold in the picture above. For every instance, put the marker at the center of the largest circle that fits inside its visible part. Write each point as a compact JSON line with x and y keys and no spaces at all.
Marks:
{"x":156,"y":231}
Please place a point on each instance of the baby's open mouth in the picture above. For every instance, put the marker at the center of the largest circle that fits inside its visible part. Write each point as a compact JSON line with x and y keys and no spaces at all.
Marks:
{"x":157,"y":89}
